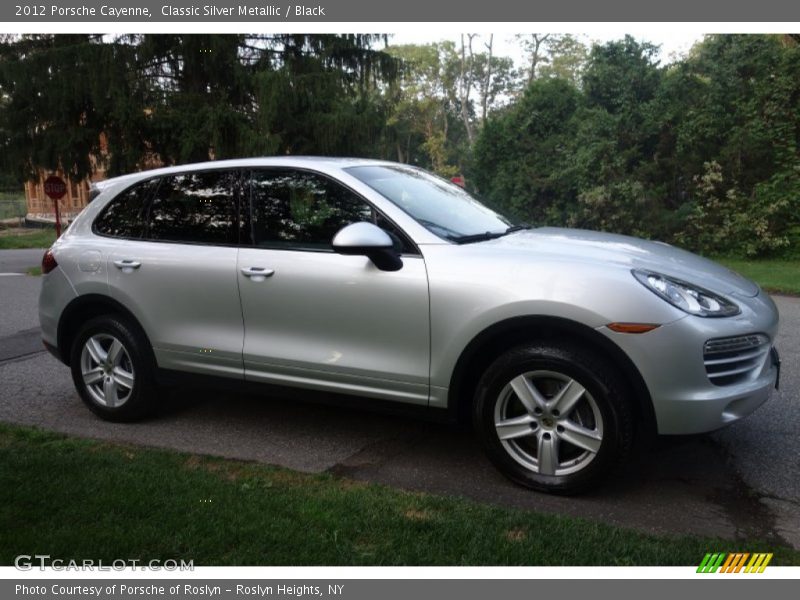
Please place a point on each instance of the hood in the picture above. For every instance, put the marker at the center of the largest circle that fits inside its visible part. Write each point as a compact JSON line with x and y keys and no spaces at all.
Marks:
{"x":626,"y":251}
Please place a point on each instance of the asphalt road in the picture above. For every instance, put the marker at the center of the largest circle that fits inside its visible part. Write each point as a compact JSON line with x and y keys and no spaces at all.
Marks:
{"x":740,"y":483}
{"x":19,"y":261}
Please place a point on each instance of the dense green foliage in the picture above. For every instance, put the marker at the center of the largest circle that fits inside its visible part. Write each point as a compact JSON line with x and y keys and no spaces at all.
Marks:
{"x":179,"y":98}
{"x":704,"y":152}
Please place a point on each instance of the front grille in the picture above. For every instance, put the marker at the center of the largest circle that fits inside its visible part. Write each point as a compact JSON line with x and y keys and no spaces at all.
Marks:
{"x":732,"y":360}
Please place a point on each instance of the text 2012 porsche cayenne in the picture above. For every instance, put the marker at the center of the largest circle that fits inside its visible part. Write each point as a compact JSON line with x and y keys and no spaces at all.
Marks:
{"x":380,"y":280}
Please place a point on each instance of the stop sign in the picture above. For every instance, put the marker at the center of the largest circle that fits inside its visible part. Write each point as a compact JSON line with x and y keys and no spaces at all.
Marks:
{"x":55,"y":187}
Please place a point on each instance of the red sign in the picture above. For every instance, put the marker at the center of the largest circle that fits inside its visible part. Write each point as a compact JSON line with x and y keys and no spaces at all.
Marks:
{"x":55,"y":187}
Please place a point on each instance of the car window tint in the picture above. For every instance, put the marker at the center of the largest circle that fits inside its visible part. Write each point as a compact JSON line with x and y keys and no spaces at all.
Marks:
{"x":301,"y":210}
{"x":124,"y":215}
{"x":195,"y":208}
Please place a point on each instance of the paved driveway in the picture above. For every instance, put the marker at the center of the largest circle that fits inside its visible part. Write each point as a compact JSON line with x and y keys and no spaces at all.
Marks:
{"x":739,"y":483}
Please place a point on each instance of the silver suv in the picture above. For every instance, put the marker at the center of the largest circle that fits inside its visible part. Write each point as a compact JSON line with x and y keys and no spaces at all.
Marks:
{"x":379,"y":280}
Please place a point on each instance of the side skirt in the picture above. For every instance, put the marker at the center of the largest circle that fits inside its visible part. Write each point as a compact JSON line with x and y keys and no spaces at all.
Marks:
{"x":172,"y":378}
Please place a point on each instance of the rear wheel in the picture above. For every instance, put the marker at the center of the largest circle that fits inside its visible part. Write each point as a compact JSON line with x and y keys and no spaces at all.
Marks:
{"x":112,"y":369}
{"x":553,"y":417}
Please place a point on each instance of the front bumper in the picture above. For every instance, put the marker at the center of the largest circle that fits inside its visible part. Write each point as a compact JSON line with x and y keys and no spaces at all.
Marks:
{"x":776,"y":360}
{"x":670,"y":360}
{"x":714,"y":409}
{"x":52,"y":349}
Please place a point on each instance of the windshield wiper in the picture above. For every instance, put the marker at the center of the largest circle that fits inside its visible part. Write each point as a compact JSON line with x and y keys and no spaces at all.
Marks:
{"x":487,"y":235}
{"x":476,"y":237}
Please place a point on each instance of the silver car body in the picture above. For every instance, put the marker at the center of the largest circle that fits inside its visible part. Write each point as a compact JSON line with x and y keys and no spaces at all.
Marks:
{"x":331,"y":322}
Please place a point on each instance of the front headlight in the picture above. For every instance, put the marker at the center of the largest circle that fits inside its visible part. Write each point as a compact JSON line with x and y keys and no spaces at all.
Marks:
{"x":686,"y":296}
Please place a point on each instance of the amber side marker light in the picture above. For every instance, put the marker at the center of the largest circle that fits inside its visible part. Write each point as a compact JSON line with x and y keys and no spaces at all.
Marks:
{"x":632,"y":327}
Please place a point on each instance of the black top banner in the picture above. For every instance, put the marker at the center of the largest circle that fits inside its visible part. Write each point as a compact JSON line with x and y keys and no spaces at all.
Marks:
{"x":355,"y":11}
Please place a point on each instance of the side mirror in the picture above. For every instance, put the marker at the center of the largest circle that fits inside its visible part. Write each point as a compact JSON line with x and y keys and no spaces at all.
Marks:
{"x":366,"y":239}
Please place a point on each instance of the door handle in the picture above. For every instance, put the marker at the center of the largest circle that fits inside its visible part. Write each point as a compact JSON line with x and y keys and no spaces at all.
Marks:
{"x":257,"y":273}
{"x":127,"y":265}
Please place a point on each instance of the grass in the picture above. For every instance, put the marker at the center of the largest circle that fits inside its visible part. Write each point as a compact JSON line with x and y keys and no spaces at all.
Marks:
{"x":76,"y":498}
{"x":18,"y":237}
{"x":34,"y":271}
{"x":777,"y":276}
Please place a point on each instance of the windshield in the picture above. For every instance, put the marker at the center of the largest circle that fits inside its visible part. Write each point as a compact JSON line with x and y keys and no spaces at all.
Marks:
{"x":443,"y":208}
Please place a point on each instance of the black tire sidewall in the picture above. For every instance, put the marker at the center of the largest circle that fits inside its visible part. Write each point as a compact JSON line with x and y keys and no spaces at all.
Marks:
{"x":142,"y":397}
{"x":600,"y":380}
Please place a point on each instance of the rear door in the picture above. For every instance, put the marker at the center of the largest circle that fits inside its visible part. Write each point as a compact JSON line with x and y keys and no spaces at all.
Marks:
{"x":179,"y":278}
{"x":314,"y":318}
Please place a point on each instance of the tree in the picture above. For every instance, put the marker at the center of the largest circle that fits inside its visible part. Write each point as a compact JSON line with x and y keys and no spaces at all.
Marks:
{"x":553,"y":55}
{"x":320,"y":94}
{"x":446,"y":93}
{"x":187,"y":97}
{"x":568,"y":56}
{"x":533,"y":47}
{"x":423,"y":114}
{"x":200,"y":94}
{"x":703,"y":152}
{"x":60,"y":93}
{"x":621,"y":75}
{"x":736,"y":143}
{"x":617,"y":140}
{"x":487,"y":75}
{"x":523,"y":156}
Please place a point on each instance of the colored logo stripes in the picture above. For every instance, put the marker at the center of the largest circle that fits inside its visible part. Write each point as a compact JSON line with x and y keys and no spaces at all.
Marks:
{"x":734,"y":562}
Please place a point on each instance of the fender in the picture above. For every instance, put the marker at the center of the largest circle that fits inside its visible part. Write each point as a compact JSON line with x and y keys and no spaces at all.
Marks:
{"x":492,"y":341}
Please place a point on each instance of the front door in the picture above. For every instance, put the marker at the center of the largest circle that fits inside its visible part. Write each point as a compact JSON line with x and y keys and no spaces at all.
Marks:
{"x":314,"y":318}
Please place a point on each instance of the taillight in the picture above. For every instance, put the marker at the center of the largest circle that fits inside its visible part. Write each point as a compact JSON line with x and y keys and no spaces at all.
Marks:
{"x":48,"y":262}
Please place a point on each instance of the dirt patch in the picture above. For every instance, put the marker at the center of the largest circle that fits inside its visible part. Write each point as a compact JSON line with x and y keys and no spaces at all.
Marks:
{"x":413,"y":514}
{"x":193,"y":462}
{"x":229,"y":472}
{"x":352,"y":484}
{"x":516,"y":535}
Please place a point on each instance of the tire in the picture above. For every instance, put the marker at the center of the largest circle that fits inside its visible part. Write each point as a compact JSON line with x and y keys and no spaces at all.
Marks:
{"x":113,"y":369}
{"x":565,"y":412}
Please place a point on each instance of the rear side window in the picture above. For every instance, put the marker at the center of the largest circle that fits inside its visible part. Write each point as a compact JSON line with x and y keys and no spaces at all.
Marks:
{"x":196,"y":208}
{"x":124,"y":215}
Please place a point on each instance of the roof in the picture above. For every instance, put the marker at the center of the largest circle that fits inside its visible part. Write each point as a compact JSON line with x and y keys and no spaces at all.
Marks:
{"x":330,"y":162}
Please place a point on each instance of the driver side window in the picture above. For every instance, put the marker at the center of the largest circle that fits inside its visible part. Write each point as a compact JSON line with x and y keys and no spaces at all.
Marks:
{"x":299,"y":210}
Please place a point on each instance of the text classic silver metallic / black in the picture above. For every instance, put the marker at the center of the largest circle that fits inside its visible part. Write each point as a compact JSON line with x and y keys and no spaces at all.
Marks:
{"x":378,"y":280}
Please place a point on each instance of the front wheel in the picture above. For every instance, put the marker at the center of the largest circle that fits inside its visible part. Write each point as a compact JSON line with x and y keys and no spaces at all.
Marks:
{"x":553,"y":417}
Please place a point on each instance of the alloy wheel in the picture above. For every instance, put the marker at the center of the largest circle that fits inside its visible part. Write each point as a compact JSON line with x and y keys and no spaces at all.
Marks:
{"x":107,"y":370}
{"x":548,"y":423}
